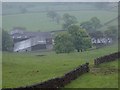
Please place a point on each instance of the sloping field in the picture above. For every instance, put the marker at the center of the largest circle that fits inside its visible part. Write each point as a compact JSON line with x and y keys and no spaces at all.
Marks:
{"x":103,"y":76}
{"x":21,"y":69}
{"x":40,"y":21}
{"x":112,"y":22}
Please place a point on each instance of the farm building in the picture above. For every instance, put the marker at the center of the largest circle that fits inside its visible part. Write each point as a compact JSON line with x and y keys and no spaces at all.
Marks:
{"x":31,"y":41}
{"x":101,"y":40}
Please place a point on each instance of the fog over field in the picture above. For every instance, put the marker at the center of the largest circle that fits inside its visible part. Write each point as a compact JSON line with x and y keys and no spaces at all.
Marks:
{"x":74,"y":42}
{"x":33,"y":16}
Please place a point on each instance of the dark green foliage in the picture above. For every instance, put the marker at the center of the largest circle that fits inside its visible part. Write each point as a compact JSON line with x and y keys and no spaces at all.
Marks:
{"x":112,"y":32}
{"x":97,"y":34}
{"x":91,"y":25}
{"x":80,"y":38}
{"x":76,"y":38}
{"x":54,"y":16}
{"x":63,"y":43}
{"x":95,"y":23}
{"x":68,"y":20}
{"x":7,"y":42}
{"x":87,"y":25}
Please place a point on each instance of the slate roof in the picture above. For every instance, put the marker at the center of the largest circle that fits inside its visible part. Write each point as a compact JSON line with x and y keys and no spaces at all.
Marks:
{"x":26,"y":34}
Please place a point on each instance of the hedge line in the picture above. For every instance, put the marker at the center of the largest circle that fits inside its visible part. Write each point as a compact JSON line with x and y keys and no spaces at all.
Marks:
{"x":59,"y":82}
{"x":107,"y":58}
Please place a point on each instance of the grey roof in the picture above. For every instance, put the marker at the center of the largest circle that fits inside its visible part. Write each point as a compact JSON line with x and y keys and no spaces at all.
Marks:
{"x":32,"y":34}
{"x":40,"y":34}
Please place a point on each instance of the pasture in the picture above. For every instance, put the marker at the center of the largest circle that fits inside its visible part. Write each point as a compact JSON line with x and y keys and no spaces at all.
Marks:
{"x":21,"y":69}
{"x":40,"y":21}
{"x":0,"y":69}
{"x":103,"y":76}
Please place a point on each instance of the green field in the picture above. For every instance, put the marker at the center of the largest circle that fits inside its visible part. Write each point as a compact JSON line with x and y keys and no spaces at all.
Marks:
{"x":21,"y":69}
{"x":40,"y":21}
{"x":104,"y":76}
{"x":0,"y":69}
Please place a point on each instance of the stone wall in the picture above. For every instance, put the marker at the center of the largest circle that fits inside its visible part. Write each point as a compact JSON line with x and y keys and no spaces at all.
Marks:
{"x":59,"y":82}
{"x":107,"y":58}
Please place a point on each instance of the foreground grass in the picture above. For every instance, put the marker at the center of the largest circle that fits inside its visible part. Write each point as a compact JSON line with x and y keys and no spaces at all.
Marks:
{"x":21,"y":69}
{"x":0,"y":69}
{"x":103,"y":76}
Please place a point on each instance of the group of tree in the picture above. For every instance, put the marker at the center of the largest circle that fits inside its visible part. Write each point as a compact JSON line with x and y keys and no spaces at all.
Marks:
{"x":74,"y":39}
{"x":91,"y":25}
{"x":111,"y":32}
{"x":68,"y":20}
{"x":7,"y":42}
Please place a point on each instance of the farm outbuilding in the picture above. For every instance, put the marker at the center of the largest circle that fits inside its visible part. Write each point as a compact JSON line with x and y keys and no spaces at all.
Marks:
{"x":31,"y":41}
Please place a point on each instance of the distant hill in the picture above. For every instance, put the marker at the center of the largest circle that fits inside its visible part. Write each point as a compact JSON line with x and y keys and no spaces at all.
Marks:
{"x":32,"y":16}
{"x":28,"y":7}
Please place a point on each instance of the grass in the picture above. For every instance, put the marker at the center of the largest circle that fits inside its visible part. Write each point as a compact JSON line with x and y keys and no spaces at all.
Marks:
{"x":21,"y":69}
{"x":40,"y":22}
{"x":0,"y":69}
{"x":104,"y":76}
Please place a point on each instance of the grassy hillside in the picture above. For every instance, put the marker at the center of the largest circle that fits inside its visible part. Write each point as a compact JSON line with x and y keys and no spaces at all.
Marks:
{"x":112,"y":23}
{"x":39,"y":21}
{"x":21,"y":69}
{"x":0,"y":69}
{"x":103,"y":76}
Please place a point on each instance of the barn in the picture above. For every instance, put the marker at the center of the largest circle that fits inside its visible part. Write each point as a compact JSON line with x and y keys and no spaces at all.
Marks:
{"x":31,"y":41}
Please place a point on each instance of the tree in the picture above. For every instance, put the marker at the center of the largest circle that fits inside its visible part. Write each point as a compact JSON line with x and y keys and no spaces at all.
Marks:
{"x":7,"y":42}
{"x":112,"y":32}
{"x":58,"y":19}
{"x":80,"y":38}
{"x":91,"y":25}
{"x":63,"y":43}
{"x":96,"y":34}
{"x":54,"y":16}
{"x":87,"y":26}
{"x":68,"y":20}
{"x":95,"y":23}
